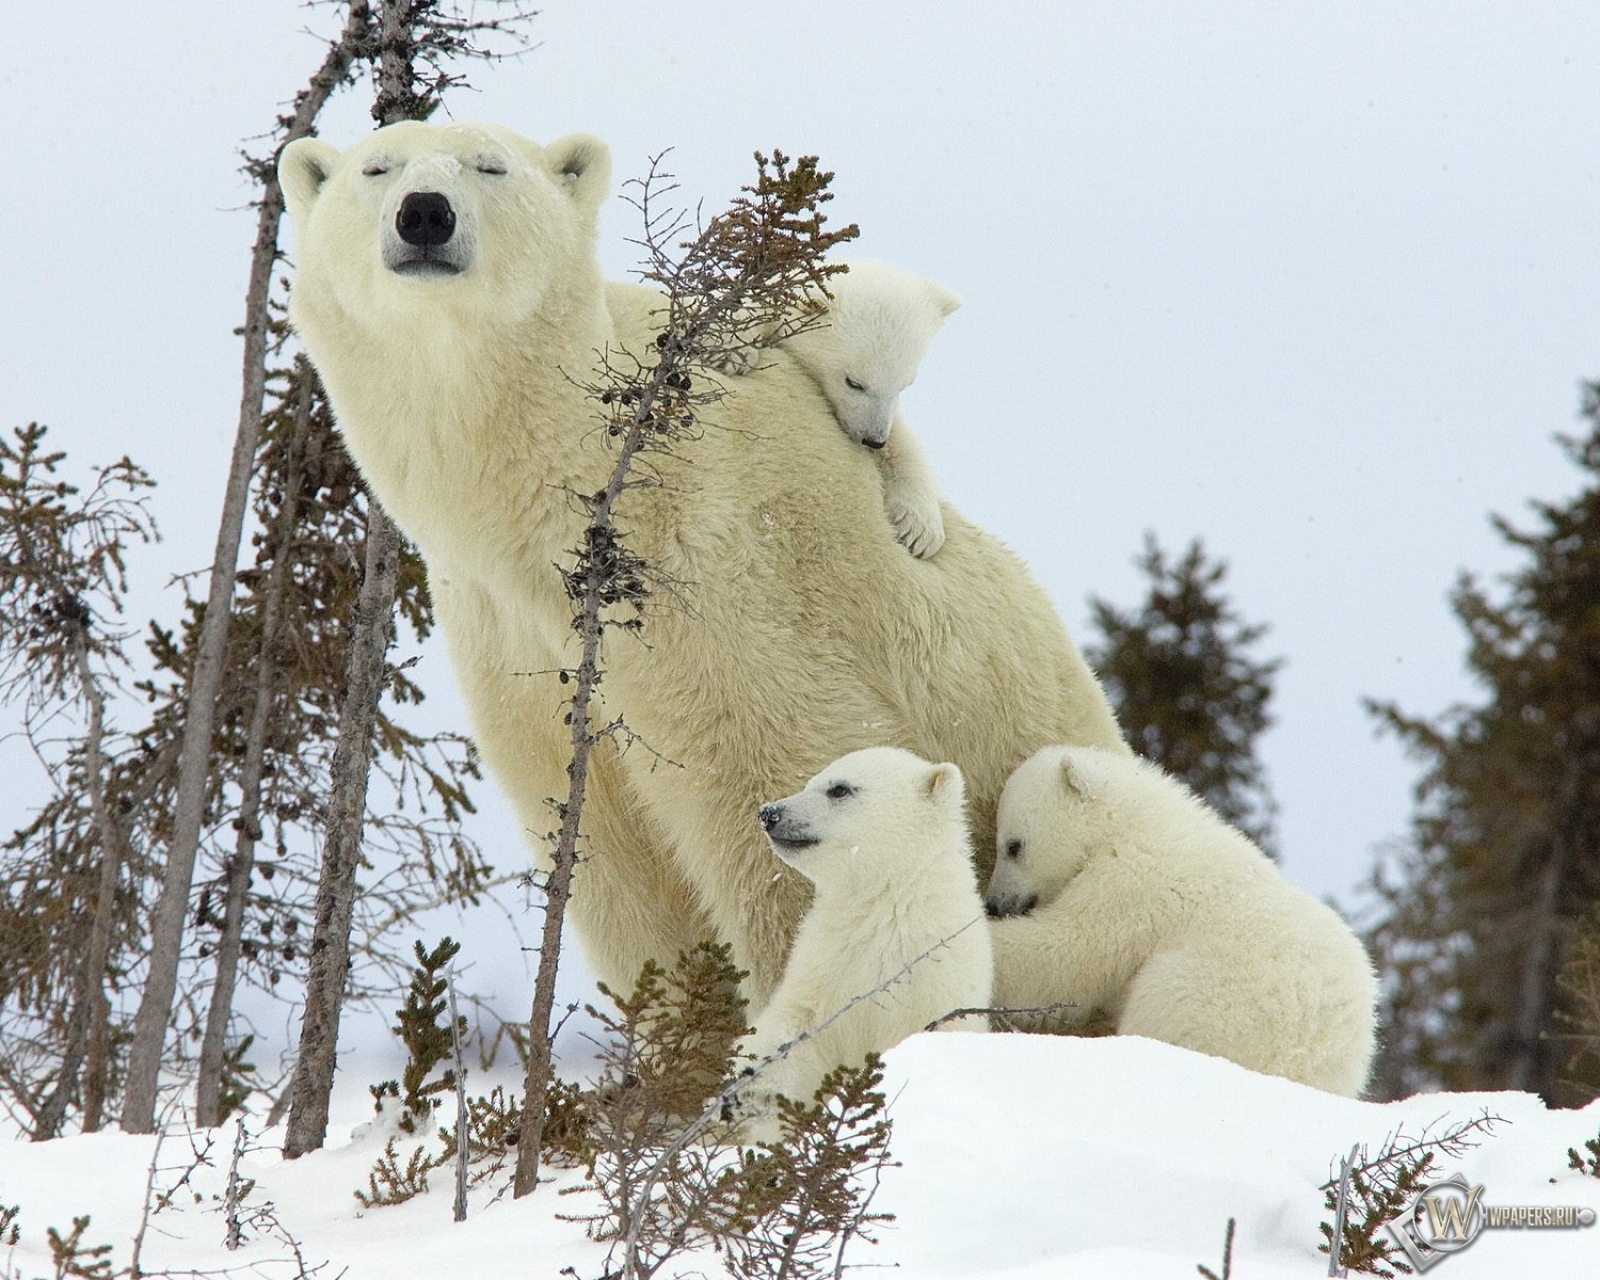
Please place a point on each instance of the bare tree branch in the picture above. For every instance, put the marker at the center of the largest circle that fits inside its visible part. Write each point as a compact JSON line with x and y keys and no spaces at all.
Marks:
{"x":748,"y":268}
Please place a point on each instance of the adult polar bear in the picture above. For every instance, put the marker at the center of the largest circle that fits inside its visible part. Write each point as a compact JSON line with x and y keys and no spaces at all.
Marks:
{"x":449,"y":293}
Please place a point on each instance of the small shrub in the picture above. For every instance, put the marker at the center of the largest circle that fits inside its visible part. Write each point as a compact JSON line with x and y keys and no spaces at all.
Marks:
{"x":73,"y":1258}
{"x":795,"y":1204}
{"x":668,"y":1180}
{"x":670,"y":1048}
{"x":1381,"y":1188}
{"x":1589,"y":1164}
{"x":427,"y":1041}
{"x":389,"y":1183}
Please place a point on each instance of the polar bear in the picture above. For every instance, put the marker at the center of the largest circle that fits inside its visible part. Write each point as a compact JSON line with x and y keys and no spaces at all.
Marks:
{"x":448,"y":290}
{"x":1117,"y":889}
{"x":863,"y":348}
{"x":897,"y":918}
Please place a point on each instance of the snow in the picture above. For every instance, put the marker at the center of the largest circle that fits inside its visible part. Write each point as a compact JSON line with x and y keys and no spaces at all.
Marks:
{"x":1033,"y":1157}
{"x":1023,"y":1157}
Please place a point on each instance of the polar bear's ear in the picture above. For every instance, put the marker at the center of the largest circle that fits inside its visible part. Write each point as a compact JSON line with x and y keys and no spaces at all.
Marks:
{"x":944,"y":302}
{"x":943,"y":780}
{"x":1072,"y":777}
{"x":583,"y":164}
{"x":303,"y":167}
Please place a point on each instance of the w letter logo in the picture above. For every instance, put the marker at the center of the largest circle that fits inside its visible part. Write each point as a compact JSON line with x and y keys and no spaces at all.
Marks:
{"x":1452,"y":1221}
{"x":1450,"y":1217}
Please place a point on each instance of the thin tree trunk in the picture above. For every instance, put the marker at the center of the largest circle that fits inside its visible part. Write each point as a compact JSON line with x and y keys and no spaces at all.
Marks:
{"x":113,"y":855}
{"x":240,"y":867}
{"x":329,"y":959}
{"x":166,"y":926}
{"x":85,"y":1058}
{"x":97,"y":1058}
{"x":602,"y":562}
{"x":463,"y":1121}
{"x":1528,"y":1066}
{"x":557,"y":892}
{"x":558,"y":884}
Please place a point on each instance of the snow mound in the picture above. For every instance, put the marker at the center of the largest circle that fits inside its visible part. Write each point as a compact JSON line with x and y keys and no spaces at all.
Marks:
{"x":1023,"y":1157}
{"x":1034,"y":1157}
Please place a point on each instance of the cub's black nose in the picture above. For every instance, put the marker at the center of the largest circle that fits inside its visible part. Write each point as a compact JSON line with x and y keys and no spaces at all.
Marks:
{"x":771,"y":815}
{"x":425,"y":218}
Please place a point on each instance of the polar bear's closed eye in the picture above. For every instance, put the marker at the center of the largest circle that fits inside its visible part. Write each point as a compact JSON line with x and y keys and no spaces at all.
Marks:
{"x":874,"y":330}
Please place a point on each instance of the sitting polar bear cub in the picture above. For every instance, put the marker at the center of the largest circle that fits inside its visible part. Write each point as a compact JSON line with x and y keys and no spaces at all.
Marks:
{"x":883,"y":836}
{"x":1121,"y":891}
{"x":866,"y":350}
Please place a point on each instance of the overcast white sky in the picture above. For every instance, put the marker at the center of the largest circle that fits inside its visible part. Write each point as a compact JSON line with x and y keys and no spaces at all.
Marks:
{"x":1316,"y":283}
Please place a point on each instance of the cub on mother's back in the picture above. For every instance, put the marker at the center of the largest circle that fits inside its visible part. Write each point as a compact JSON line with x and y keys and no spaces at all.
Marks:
{"x":862,"y":345}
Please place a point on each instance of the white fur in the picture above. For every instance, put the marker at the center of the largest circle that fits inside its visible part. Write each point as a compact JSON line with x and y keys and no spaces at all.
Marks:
{"x":805,"y":631}
{"x":865,"y":350}
{"x":878,"y":325}
{"x":891,"y":862}
{"x":1149,"y":907}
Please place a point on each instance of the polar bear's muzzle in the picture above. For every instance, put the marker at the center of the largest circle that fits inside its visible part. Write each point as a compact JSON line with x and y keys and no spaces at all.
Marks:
{"x":425,"y":242}
{"x":787,"y":833}
{"x":1000,"y":905}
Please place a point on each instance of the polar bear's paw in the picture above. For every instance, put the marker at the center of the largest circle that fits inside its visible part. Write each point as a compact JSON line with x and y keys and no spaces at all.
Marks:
{"x":917,"y":522}
{"x":753,"y":1112}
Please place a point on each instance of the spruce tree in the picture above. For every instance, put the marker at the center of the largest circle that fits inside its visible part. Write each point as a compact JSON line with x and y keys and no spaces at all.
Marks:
{"x":1186,"y":688}
{"x":1482,"y":907}
{"x":69,"y":903}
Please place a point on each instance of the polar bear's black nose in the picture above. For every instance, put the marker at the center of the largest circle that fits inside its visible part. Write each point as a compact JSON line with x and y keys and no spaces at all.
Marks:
{"x":425,"y":218}
{"x":771,"y":815}
{"x":999,"y":907}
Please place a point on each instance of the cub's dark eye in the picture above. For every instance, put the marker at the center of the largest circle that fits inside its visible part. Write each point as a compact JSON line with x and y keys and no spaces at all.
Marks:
{"x":853,"y":384}
{"x":840,"y":791}
{"x":488,"y":164}
{"x":1013,"y":848}
{"x":375,"y":168}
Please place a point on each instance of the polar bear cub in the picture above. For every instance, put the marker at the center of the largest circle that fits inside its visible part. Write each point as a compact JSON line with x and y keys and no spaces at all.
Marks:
{"x":863,"y":353}
{"x":1117,"y":889}
{"x":882,"y":835}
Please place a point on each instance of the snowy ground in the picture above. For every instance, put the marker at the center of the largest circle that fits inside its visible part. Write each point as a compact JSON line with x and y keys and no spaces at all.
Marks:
{"x":1024,"y":1157}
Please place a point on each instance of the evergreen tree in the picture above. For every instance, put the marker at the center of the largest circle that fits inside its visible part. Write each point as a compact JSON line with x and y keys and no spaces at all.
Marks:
{"x":1481,"y":909}
{"x":77,"y":881}
{"x":68,"y":899}
{"x":1186,"y":689}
